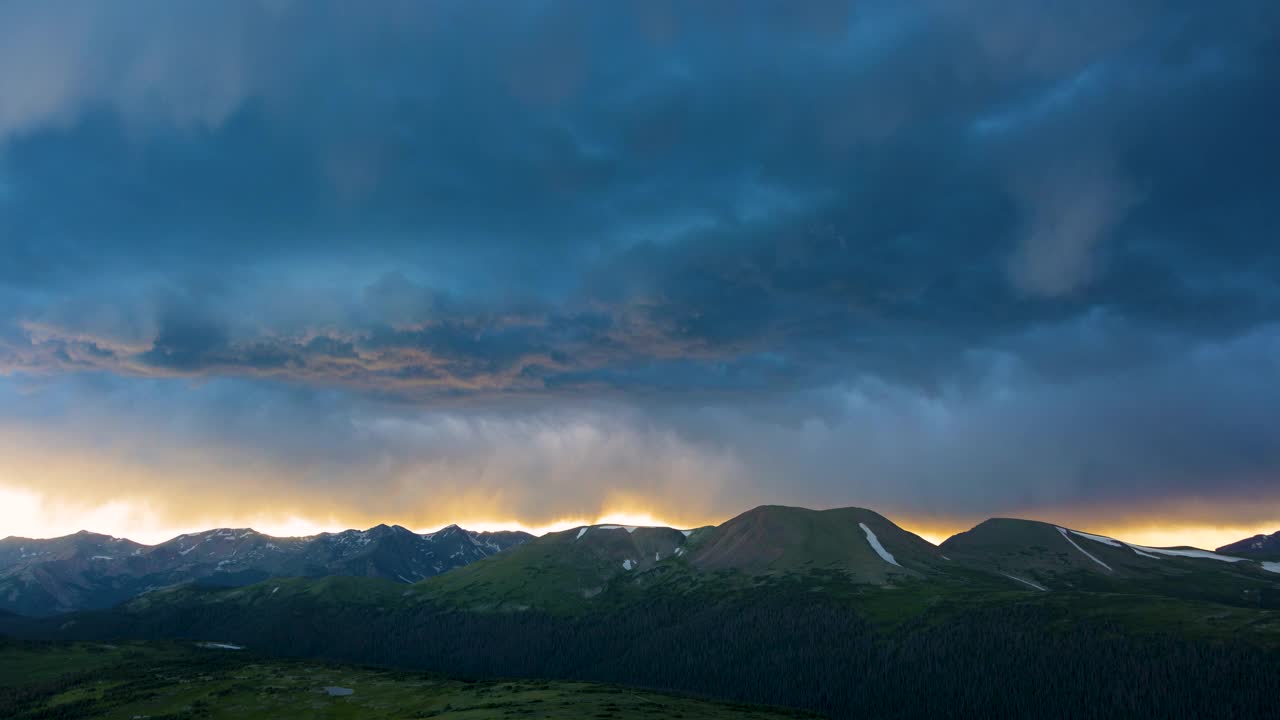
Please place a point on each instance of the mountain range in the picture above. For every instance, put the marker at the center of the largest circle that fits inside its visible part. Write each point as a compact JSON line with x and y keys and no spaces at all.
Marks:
{"x":87,"y":571}
{"x":570,"y":570}
{"x":840,"y":612}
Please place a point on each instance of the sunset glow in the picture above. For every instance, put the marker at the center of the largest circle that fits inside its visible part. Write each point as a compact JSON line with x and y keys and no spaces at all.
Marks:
{"x":26,"y":514}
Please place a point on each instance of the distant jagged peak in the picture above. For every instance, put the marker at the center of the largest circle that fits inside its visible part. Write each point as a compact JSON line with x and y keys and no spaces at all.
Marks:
{"x":229,"y":533}
{"x":87,"y":537}
{"x":80,"y":536}
{"x":1258,"y":546}
{"x":385,"y":529}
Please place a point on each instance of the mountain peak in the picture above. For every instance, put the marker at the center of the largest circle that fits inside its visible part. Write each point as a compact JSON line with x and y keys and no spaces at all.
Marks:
{"x":449,"y":531}
{"x":772,"y":538}
{"x":1262,"y":547}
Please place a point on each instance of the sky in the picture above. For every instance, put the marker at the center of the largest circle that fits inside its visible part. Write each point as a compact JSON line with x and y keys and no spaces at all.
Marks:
{"x":316,"y":265}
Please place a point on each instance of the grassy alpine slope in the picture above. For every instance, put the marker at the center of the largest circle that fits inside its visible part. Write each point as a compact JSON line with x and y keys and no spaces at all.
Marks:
{"x":173,"y":680}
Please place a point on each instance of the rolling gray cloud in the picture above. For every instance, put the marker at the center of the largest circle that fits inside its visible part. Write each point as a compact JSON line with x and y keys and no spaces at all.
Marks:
{"x":949,"y":257}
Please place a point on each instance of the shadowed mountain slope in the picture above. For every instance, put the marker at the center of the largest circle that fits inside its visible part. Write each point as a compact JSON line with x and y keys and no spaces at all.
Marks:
{"x":1258,"y":547}
{"x":775,"y":538}
{"x":560,"y":568}
{"x":569,"y":570}
{"x":1050,"y":557}
{"x":88,"y":571}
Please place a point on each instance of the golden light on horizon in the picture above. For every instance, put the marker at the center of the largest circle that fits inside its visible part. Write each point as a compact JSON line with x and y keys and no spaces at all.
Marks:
{"x":24,"y":513}
{"x":640,"y":519}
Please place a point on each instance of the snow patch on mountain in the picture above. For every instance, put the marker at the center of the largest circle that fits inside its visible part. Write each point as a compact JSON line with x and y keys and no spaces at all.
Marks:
{"x":1113,"y":543}
{"x":875,"y":545}
{"x":1189,"y":553}
{"x":1098,"y":538}
{"x":486,"y":547}
{"x":1086,"y":552}
{"x":1026,"y":582}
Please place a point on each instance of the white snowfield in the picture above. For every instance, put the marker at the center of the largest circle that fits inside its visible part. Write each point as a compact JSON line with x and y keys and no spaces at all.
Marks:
{"x":1191,"y":553}
{"x":1113,"y":543}
{"x":1143,"y":554}
{"x":220,"y":646}
{"x":687,"y":533}
{"x":1086,"y":552}
{"x":1154,"y":553}
{"x":1099,"y":538}
{"x":1026,"y":582}
{"x":875,"y":545}
{"x":626,"y":565}
{"x":582,"y":532}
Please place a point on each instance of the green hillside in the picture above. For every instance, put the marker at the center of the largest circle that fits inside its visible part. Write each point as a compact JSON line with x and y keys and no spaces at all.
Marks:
{"x":583,"y":567}
{"x":171,"y":680}
{"x":774,"y":538}
{"x":596,"y":568}
{"x":564,"y":570}
{"x":1053,"y":558}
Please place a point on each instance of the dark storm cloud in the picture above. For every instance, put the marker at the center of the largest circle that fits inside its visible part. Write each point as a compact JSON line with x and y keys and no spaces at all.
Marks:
{"x":702,"y":213}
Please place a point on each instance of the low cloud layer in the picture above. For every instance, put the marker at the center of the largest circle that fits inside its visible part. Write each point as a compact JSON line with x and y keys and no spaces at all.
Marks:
{"x":950,"y":259}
